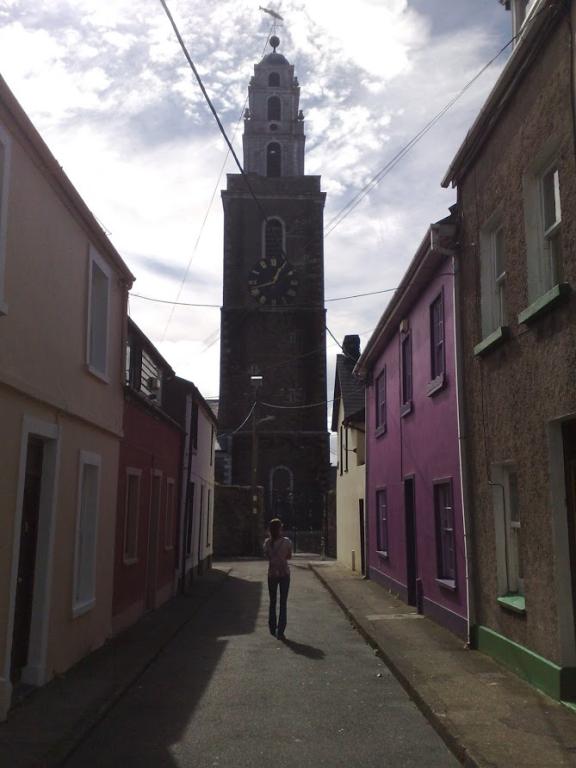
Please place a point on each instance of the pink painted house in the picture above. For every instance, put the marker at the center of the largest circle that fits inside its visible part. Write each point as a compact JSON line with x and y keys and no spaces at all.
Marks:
{"x":415,"y":524}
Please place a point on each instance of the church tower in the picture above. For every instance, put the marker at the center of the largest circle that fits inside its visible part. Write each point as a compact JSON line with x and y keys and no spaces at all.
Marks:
{"x":273,"y":317}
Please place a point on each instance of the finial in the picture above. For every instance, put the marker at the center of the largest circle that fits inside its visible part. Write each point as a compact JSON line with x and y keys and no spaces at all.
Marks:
{"x":274,"y":42}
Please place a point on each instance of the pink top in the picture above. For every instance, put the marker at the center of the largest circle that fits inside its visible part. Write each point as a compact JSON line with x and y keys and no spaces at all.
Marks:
{"x":278,"y":553}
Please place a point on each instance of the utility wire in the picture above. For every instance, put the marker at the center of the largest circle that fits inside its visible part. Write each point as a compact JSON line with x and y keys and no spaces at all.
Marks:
{"x":192,"y":304}
{"x":211,"y":203}
{"x":212,"y":108}
{"x":391,"y":164}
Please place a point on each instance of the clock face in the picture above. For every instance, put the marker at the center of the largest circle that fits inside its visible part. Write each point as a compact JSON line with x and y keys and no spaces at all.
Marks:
{"x":273,"y":282}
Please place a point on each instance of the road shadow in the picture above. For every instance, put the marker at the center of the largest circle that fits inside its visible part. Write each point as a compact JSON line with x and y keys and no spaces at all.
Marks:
{"x":304,"y":650}
{"x":147,"y":723}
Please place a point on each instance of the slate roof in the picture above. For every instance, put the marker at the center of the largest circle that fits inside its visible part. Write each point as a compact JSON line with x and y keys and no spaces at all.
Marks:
{"x":347,"y":388}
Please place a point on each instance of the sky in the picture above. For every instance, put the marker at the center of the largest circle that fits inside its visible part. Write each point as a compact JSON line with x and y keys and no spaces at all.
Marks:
{"x":108,"y":88}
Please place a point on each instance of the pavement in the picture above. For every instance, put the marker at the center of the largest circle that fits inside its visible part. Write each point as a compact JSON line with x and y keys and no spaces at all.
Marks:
{"x":488,"y":716}
{"x":344,"y":695}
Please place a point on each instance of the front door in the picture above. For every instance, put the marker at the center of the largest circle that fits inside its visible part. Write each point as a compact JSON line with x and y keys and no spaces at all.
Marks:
{"x":27,"y":557}
{"x":410,"y":523}
{"x":569,"y":440}
{"x":362,"y":537}
{"x":152,"y":569}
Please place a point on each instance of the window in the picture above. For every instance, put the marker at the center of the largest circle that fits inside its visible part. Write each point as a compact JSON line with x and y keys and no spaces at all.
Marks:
{"x":551,"y":216}
{"x":98,"y":307}
{"x":274,"y":108}
{"x":406,"y":349}
{"x":86,"y":533}
{"x":4,"y":176}
{"x":273,"y":160}
{"x":212,"y":445}
{"x":508,"y":530}
{"x":341,"y":467}
{"x":132,"y":515}
{"x":169,"y":515}
{"x":380,"y":394}
{"x":492,"y":278}
{"x":445,"y":544}
{"x":346,"y":449}
{"x":273,"y":241}
{"x":437,"y":338}
{"x":274,"y":80}
{"x":382,"y":521}
{"x":543,"y":223}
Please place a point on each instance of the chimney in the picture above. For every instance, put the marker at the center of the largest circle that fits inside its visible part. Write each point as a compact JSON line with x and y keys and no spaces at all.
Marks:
{"x":351,"y":346}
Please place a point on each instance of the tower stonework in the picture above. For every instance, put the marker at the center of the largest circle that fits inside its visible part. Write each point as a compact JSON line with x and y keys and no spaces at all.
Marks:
{"x":273,"y":316}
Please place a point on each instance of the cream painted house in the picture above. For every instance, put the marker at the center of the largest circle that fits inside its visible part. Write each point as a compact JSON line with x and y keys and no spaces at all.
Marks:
{"x":348,"y":423}
{"x":63,"y":293}
{"x":187,"y":406}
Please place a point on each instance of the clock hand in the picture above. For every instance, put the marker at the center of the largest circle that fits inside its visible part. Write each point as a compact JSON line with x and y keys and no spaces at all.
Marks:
{"x":277,"y":275}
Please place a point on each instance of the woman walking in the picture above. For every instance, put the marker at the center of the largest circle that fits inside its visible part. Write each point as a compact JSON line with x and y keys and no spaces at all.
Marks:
{"x":278,"y":550}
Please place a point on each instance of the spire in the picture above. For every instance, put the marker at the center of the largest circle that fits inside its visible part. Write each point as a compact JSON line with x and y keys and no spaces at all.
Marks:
{"x":274,"y":123}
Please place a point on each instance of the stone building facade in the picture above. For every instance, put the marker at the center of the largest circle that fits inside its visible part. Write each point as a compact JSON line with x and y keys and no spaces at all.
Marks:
{"x":273,"y":317}
{"x":516,"y":181}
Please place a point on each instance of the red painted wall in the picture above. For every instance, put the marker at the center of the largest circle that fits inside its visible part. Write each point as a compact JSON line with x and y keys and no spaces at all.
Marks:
{"x":150,"y":443}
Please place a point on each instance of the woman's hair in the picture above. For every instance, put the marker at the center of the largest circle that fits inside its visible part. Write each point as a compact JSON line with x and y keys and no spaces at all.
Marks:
{"x":275,"y":528}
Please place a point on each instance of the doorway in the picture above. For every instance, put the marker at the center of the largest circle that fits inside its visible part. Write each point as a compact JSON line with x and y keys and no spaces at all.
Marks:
{"x":153,"y":531}
{"x":362,"y":537}
{"x":27,"y":558}
{"x":32,"y":547}
{"x":410,"y":527}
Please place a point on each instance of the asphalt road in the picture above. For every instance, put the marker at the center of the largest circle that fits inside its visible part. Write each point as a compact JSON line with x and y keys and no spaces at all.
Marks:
{"x":225,"y":694}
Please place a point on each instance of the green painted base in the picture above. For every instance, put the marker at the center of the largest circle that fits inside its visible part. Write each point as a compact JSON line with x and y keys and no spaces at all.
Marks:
{"x":557,"y":682}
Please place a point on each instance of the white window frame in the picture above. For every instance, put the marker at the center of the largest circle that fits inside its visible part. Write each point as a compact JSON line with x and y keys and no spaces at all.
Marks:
{"x":544,"y":273}
{"x":492,"y":279}
{"x":94,"y":258}
{"x":169,"y":513}
{"x":129,"y":558}
{"x":508,"y":527}
{"x":83,"y":603}
{"x":6,"y":143}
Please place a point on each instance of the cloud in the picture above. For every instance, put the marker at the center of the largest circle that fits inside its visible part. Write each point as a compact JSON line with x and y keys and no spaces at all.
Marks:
{"x":109,"y":89}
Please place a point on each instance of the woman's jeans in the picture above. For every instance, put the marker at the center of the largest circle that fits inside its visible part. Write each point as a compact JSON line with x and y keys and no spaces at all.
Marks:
{"x":273,"y":583}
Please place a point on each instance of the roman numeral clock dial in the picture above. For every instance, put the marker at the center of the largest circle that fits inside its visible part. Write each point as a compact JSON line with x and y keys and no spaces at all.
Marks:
{"x":273,"y":282}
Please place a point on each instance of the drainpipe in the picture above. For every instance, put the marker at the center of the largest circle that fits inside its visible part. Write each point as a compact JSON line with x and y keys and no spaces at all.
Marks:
{"x":462,"y":449}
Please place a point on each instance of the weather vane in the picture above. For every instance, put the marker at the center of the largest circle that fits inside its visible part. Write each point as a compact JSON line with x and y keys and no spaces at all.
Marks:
{"x":275,"y":15}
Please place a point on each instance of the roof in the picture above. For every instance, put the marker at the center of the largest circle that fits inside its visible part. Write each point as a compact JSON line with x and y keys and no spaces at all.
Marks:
{"x":33,"y":142}
{"x":536,"y":28}
{"x":436,"y":246}
{"x":145,"y":341}
{"x":274,"y":59}
{"x":193,"y":389}
{"x":348,"y":389}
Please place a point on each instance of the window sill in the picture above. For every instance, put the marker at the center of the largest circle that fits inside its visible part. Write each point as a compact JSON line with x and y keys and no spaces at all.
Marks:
{"x":382,"y":555}
{"x":81,"y":608}
{"x":98,"y":374}
{"x":130,"y":560}
{"x":515,"y":603}
{"x":436,"y":385}
{"x":406,"y":408}
{"x":380,"y":431}
{"x":493,"y":339}
{"x":447,"y":584}
{"x":545,"y":303}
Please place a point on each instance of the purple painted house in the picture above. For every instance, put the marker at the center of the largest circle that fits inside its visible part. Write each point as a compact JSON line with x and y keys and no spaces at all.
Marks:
{"x":415,"y":524}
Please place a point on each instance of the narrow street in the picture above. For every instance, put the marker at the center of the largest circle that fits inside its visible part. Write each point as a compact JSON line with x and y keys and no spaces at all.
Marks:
{"x":225,"y":693}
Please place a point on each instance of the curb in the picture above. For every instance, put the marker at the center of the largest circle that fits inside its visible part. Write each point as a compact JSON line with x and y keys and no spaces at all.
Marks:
{"x":57,"y":755}
{"x":466,"y":757}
